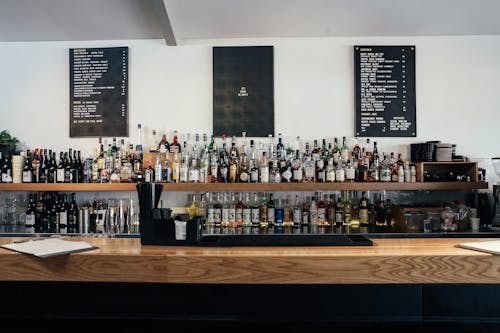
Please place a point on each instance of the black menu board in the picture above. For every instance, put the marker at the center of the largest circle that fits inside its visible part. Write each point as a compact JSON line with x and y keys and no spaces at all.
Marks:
{"x":98,"y":92}
{"x":243,"y":91}
{"x":385,"y":91}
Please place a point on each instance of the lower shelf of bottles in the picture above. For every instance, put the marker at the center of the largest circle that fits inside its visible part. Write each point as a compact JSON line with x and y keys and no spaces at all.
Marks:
{"x":199,"y":187}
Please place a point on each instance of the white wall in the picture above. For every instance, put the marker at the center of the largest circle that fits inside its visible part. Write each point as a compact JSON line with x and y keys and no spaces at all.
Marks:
{"x":457,"y":89}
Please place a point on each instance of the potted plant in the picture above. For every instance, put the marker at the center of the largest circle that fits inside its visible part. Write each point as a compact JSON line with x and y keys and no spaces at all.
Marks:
{"x":7,"y":142}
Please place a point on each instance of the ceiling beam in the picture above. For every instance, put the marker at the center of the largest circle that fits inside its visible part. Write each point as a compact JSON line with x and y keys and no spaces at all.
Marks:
{"x":164,"y":22}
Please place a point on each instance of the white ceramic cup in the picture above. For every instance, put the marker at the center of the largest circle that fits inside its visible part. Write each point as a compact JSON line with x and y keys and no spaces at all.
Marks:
{"x":180,"y":230}
{"x":474,"y":223}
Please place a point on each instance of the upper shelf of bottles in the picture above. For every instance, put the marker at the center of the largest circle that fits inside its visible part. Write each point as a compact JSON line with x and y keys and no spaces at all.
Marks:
{"x":198,"y":187}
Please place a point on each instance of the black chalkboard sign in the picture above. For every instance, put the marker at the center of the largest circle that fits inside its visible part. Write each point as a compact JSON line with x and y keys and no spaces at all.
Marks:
{"x":385,"y":91}
{"x":243,"y":91}
{"x":98,"y":92}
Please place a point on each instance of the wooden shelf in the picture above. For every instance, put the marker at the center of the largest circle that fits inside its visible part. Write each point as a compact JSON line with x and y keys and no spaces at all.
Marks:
{"x":197,"y":187}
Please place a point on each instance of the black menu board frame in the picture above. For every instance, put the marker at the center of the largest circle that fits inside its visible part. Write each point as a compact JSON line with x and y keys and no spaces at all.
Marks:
{"x":385,"y":91}
{"x":98,"y":92}
{"x":243,"y":90}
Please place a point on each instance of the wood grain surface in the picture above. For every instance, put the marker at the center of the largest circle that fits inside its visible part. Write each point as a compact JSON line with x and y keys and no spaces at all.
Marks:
{"x":388,"y":261}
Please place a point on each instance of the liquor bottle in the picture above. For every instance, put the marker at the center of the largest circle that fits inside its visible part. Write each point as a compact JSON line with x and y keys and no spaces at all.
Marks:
{"x":204,"y":165}
{"x":375,"y":150}
{"x":287,"y":213}
{"x":27,"y":169}
{"x":218,"y":211}
{"x":274,"y":172}
{"x":340,"y":171}
{"x":238,"y":211}
{"x":394,"y":168}
{"x":363,"y":211}
{"x":380,"y":214}
{"x":39,"y":207}
{"x":385,"y":170}
{"x":354,"y":210}
{"x":68,"y":167}
{"x":149,"y":174}
{"x":153,"y":142}
{"x":175,"y":146}
{"x":247,"y":211}
{"x":167,"y":169}
{"x":339,"y":212}
{"x":347,"y":209}
{"x":225,"y":211}
{"x":184,"y":169}
{"x":35,"y":164}
{"x":263,"y":212}
{"x":297,"y":213}
{"x":336,"y":151}
{"x":234,"y":161}
{"x":30,"y":218}
{"x":42,"y":172}
{"x":194,"y":172}
{"x":344,"y":151}
{"x":407,"y":171}
{"x":232,"y":211}
{"x":280,"y":147}
{"x":244,"y":175}
{"x":316,"y":152}
{"x":279,"y":213}
{"x":362,"y":172}
{"x":373,"y":172}
{"x":264,"y":168}
{"x":54,"y":215}
{"x":255,"y":211}
{"x":321,"y":211}
{"x":176,"y":166}
{"x":210,"y":221}
{"x":309,"y":167}
{"x":52,"y":168}
{"x":330,"y":171}
{"x":271,"y":211}
{"x":163,"y":145}
{"x":297,"y":168}
{"x":158,"y":171}
{"x":330,"y":212}
{"x":254,"y":168}
{"x":401,"y":174}
{"x":313,"y":212}
{"x":223,"y":165}
{"x":320,"y":170}
{"x":305,"y":214}
{"x":202,"y":206}
{"x":63,"y":214}
{"x":73,"y":215}
{"x":350,"y":172}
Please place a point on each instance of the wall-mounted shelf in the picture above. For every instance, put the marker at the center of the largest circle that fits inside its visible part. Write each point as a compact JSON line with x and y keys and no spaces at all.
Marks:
{"x":196,"y":187}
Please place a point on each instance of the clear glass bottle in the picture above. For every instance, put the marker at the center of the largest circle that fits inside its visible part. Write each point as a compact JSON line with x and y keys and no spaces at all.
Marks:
{"x":264,"y":168}
{"x":297,"y":168}
{"x":330,"y":171}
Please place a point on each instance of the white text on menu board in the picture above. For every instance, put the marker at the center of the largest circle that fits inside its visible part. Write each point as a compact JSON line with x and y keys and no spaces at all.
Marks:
{"x":379,"y":87}
{"x":88,"y":67}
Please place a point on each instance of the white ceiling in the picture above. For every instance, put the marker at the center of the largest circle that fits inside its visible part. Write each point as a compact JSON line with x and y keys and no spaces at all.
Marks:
{"x":53,"y":20}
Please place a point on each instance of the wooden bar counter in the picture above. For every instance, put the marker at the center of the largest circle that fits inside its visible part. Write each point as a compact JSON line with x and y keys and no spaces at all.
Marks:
{"x":388,"y":261}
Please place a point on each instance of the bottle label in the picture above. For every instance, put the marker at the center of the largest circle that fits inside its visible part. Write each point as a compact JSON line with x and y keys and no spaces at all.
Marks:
{"x":255,"y":216}
{"x":270,"y":215}
{"x":232,"y":171}
{"x":313,"y":216}
{"x":27,"y":177}
{"x":339,"y":217}
{"x":63,"y":218}
{"x":30,"y":220}
{"x":297,"y":174}
{"x":330,"y":176}
{"x":264,"y":175}
{"x":247,"y":215}
{"x":217,"y":216}
{"x":339,"y":175}
{"x":279,"y":212}
{"x":232,"y":216}
{"x":350,"y":173}
{"x":305,"y":217}
{"x":297,"y":216}
{"x":210,"y":216}
{"x":385,"y":175}
{"x":225,"y":215}
{"x":321,"y":214}
{"x":309,"y":172}
{"x":363,"y":216}
{"x":244,"y":176}
{"x":184,"y":174}
{"x":238,"y":215}
{"x":194,"y":175}
{"x":6,"y":177}
{"x":287,"y":175}
{"x":254,"y":175}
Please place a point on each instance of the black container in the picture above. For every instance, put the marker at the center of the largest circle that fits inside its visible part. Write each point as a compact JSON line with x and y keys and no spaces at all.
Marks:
{"x":160,"y":231}
{"x":423,"y":152}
